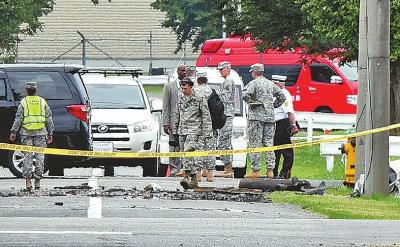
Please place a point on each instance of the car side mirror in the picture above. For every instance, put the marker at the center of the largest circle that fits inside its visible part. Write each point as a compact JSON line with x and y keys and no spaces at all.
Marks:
{"x":156,"y":105}
{"x":336,"y":79}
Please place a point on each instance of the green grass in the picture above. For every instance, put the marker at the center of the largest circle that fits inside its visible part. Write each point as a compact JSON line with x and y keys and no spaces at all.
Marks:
{"x":308,"y":164}
{"x":320,"y":132}
{"x":153,"y":89}
{"x":336,"y":205}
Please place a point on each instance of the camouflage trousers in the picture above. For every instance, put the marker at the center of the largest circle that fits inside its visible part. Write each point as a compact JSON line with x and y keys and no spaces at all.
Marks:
{"x":205,"y":144}
{"x":225,"y":140}
{"x":33,"y":163}
{"x":261,"y":134}
{"x":188,"y":143}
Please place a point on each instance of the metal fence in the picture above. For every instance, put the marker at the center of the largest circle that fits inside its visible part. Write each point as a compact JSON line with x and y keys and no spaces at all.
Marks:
{"x":117,"y":50}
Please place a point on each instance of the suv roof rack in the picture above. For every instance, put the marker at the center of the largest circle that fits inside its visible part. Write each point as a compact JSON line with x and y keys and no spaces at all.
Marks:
{"x":134,"y":71}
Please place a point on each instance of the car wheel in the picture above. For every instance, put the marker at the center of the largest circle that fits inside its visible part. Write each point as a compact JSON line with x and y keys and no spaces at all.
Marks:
{"x":162,"y":169}
{"x":239,"y":172}
{"x":149,"y":167}
{"x":324,"y":110}
{"x":15,"y":161}
{"x":109,"y":171}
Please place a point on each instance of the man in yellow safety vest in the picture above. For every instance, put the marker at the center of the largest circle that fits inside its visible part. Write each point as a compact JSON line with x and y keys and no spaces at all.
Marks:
{"x":34,"y":122}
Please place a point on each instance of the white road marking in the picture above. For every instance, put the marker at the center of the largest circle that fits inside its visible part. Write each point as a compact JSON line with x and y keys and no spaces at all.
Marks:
{"x":66,"y":232}
{"x":95,"y":208}
{"x":95,"y":203}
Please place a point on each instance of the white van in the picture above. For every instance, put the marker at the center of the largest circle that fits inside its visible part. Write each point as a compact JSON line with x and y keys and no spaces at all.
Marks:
{"x":239,"y":137}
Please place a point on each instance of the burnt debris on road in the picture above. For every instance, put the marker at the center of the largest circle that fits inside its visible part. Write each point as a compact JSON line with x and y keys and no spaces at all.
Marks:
{"x":200,"y":193}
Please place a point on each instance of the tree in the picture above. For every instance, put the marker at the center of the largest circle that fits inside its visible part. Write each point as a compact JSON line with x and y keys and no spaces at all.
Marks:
{"x":271,"y":22}
{"x":199,"y":20}
{"x":189,"y":19}
{"x":318,"y":24}
{"x":21,"y":18}
{"x":338,"y":19}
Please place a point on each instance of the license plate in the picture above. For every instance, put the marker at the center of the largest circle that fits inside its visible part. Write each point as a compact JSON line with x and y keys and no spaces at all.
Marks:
{"x":103,"y":146}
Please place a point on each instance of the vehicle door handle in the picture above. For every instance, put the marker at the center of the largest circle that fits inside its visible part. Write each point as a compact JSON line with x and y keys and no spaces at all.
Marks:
{"x":312,"y":89}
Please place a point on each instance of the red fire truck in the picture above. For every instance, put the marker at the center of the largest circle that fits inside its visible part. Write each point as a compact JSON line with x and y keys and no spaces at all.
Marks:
{"x":316,"y":83}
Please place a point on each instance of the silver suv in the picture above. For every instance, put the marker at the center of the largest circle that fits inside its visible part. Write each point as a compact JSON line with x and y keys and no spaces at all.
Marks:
{"x":122,"y":119}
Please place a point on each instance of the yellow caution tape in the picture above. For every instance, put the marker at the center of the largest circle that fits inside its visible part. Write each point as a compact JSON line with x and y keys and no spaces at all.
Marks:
{"x":255,"y":103}
{"x":57,"y":151}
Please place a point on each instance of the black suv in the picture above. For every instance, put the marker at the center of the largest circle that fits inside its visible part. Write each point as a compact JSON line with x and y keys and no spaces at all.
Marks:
{"x":64,"y":91}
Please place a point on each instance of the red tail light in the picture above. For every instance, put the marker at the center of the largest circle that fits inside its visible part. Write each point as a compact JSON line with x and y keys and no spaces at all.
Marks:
{"x":79,"y":111}
{"x":212,"y":45}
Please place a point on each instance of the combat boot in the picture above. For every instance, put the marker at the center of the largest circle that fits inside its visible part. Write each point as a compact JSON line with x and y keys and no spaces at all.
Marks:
{"x":204,"y":174}
{"x":180,"y":174}
{"x":253,"y":174}
{"x":210,"y":177}
{"x":28,"y":184}
{"x":193,"y":181}
{"x":222,"y":173}
{"x":185,"y":180}
{"x":37,"y":184}
{"x":270,"y":173}
{"x":227,"y":173}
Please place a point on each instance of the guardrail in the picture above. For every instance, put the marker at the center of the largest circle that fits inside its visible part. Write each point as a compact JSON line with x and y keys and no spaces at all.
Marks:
{"x":324,"y":121}
{"x":330,"y":149}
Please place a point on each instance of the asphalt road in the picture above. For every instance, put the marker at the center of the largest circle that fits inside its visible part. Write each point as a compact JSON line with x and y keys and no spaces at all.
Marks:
{"x":81,"y":217}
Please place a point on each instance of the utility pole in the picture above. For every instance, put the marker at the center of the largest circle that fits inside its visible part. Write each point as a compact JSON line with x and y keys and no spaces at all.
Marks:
{"x":83,"y":48}
{"x":378,"y":109}
{"x":362,"y":89}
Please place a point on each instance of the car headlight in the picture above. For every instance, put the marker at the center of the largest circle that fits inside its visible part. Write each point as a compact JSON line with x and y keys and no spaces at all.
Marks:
{"x":143,"y":126}
{"x":238,"y":132}
{"x":352,"y":99}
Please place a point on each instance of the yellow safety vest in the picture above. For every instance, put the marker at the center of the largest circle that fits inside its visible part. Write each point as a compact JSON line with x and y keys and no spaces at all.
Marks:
{"x":34,"y":112}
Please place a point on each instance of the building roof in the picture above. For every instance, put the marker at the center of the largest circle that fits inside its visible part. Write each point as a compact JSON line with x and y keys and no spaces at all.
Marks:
{"x":120,"y":28}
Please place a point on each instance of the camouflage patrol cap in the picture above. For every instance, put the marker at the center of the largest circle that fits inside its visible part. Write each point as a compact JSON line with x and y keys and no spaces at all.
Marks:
{"x":190,"y":68}
{"x":223,"y":65}
{"x":202,"y":75}
{"x":279,"y":78}
{"x":185,"y":81}
{"x":258,"y":67}
{"x":31,"y":85}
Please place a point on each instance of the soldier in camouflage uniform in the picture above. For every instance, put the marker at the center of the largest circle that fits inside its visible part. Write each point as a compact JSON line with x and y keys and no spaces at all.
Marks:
{"x":192,"y":120}
{"x":191,"y":73}
{"x":207,"y":163}
{"x":259,"y":94}
{"x":227,"y":95}
{"x":34,"y":122}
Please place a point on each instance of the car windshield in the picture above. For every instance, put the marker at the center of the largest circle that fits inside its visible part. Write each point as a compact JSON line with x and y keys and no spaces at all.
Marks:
{"x":349,"y":70}
{"x":238,"y":97}
{"x":115,"y":96}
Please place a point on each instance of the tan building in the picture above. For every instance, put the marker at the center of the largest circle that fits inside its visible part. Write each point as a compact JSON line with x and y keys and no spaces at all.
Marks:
{"x":117,"y":33}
